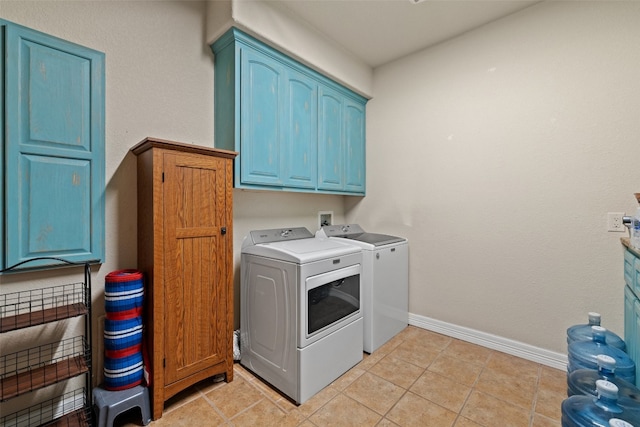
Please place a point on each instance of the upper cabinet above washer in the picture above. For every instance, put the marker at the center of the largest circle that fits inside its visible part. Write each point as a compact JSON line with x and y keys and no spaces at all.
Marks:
{"x":294,"y":129}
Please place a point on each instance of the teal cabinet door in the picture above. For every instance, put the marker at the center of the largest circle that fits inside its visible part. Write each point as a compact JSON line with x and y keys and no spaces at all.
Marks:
{"x":341,"y":145}
{"x":354,"y":137}
{"x":330,"y":141}
{"x":262,"y":90}
{"x":294,"y":128}
{"x":301,"y":136}
{"x":632,"y":308}
{"x":54,"y":148}
{"x":2,"y":145}
{"x":635,"y":340}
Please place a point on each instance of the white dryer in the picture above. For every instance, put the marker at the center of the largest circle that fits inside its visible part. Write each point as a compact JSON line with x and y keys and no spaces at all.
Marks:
{"x":300,"y":309}
{"x":385,"y":281}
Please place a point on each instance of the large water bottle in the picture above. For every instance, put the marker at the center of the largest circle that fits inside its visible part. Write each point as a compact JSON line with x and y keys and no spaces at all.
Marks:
{"x":617,"y":422}
{"x":583,"y":333}
{"x":582,"y":355}
{"x":583,"y":382}
{"x":587,"y":411}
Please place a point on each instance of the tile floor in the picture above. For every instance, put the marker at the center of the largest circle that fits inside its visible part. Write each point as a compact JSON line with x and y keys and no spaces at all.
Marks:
{"x":419,"y":378}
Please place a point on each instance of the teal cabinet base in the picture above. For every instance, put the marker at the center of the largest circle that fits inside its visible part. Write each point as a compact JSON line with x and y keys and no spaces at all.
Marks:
{"x":632,"y":308}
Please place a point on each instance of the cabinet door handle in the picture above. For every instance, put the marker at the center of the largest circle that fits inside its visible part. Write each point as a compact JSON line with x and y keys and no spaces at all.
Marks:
{"x":223,"y":230}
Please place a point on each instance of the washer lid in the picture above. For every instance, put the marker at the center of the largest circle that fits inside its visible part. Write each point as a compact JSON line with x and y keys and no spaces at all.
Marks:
{"x":355,"y":232}
{"x":300,"y":250}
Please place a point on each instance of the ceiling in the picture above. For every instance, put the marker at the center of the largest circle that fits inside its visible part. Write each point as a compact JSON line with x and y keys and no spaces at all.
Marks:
{"x":380,"y":31}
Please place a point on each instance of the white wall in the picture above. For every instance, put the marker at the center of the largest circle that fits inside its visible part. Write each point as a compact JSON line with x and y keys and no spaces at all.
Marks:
{"x":289,"y":34}
{"x":498,"y":154}
{"x":159,"y":82}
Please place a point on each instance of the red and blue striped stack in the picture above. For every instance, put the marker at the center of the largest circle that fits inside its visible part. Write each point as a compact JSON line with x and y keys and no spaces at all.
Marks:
{"x":124,"y":297}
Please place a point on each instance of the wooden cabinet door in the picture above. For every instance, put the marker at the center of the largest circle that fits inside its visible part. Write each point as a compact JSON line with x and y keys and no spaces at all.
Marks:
{"x":195,"y":297}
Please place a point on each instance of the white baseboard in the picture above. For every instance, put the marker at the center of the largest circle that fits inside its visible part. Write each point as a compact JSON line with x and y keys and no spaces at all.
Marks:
{"x":494,"y":342}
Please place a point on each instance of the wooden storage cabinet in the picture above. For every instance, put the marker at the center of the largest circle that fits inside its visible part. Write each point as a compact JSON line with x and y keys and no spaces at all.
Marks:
{"x":295,"y":129}
{"x":632,"y":307}
{"x":52,"y":106}
{"x":47,"y":362}
{"x":185,"y":250}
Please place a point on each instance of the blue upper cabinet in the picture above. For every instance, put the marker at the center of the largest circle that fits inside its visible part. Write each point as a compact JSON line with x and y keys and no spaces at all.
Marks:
{"x":294,"y":129}
{"x":53,"y":148}
{"x":262,"y":118}
{"x":301,"y":131}
{"x":354,"y":139}
{"x":331,"y":150}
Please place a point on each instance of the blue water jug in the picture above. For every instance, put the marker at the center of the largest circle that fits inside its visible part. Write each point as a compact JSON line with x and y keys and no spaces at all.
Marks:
{"x":589,"y":411}
{"x":583,"y":333}
{"x":617,"y":422}
{"x":582,"y":355}
{"x":583,"y":382}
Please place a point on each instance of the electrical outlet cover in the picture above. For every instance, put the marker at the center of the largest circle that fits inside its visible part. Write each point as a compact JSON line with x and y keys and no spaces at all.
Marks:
{"x":614,"y":221}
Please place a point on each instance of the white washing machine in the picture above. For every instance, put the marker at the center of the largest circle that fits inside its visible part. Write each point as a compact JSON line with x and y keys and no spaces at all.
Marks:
{"x":385,"y":280}
{"x":300,"y":309}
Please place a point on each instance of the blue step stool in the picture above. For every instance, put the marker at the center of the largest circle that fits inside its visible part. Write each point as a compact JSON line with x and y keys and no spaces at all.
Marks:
{"x":110,"y":404}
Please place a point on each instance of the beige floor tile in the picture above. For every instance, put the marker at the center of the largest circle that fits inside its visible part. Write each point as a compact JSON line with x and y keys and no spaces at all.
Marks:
{"x":553,"y":380}
{"x":374,"y":392}
{"x":318,"y":400}
{"x":387,"y":347}
{"x":386,"y":423}
{"x":344,"y":411}
{"x":207,"y":385}
{"x":417,"y":378}
{"x":413,"y":352}
{"x":465,"y":422}
{"x":267,"y":389}
{"x":542,"y":421}
{"x":286,"y":404}
{"x":441,"y":390}
{"x":182,"y":398}
{"x":397,"y":371}
{"x":485,"y":410}
{"x":196,"y":412}
{"x":413,"y":410}
{"x":548,"y":403}
{"x":427,"y":338}
{"x":512,"y":365}
{"x":511,"y":388}
{"x":348,"y":377}
{"x":456,"y":369}
{"x":238,"y":369}
{"x":234,"y":397}
{"x":265,"y":413}
{"x":370,"y":360}
{"x":468,"y":352}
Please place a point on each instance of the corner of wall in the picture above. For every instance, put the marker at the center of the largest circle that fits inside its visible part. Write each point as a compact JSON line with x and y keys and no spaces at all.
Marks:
{"x":219,"y":18}
{"x":280,"y":28}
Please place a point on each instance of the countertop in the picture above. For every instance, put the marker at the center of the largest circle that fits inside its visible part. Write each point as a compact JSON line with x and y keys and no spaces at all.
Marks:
{"x":627,"y":243}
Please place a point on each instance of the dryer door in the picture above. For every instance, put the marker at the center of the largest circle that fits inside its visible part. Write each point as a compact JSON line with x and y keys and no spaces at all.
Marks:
{"x":331,"y":300}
